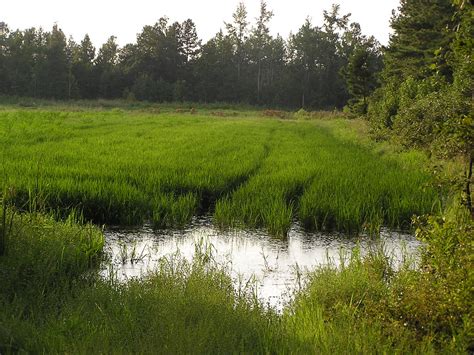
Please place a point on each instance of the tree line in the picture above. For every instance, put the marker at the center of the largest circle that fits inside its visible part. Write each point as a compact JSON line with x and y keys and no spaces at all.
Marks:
{"x":317,"y":67}
{"x":426,"y":86}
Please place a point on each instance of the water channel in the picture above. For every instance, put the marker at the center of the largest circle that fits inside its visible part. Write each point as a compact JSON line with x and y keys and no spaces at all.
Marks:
{"x":275,"y":267}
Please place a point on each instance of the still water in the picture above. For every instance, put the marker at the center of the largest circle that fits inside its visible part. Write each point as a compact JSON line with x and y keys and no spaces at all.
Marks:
{"x":275,"y":267}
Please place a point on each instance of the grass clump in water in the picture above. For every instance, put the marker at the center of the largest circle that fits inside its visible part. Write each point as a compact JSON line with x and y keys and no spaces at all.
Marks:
{"x":174,"y":211}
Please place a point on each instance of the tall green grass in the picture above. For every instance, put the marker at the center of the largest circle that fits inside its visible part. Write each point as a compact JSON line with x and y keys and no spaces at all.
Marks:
{"x":52,"y":301}
{"x":327,"y":182}
{"x":126,"y":168}
{"x":366,"y":308}
{"x":43,"y":255}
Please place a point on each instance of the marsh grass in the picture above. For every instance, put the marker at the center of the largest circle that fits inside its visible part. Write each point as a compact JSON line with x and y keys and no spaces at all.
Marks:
{"x":4,"y":226}
{"x":126,"y":167}
{"x":365,"y":307}
{"x":52,"y":300}
{"x":128,"y":253}
{"x":220,"y":109}
{"x":174,"y":211}
{"x":69,"y":165}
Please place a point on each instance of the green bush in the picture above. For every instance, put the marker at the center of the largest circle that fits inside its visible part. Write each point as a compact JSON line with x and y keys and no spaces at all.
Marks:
{"x":418,"y":113}
{"x":426,"y":107}
{"x":383,"y":106}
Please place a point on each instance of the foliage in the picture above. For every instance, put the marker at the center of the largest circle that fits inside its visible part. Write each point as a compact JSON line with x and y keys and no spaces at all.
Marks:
{"x":426,"y":97}
{"x":361,"y":75}
{"x":426,"y":101}
{"x":447,"y":263}
{"x":419,"y":100}
{"x":420,"y":41}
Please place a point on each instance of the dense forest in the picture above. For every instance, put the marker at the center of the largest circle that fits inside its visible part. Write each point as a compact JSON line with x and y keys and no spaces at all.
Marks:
{"x":318,"y":67}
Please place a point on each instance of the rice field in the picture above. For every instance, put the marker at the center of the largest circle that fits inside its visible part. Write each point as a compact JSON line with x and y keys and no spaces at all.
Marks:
{"x":62,"y":168}
{"x":247,"y":171}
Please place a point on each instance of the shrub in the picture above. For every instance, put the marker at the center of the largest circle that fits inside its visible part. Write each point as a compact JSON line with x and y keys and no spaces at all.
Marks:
{"x":383,"y":106}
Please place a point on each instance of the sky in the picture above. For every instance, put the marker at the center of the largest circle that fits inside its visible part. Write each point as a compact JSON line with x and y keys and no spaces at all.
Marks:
{"x":124,"y":19}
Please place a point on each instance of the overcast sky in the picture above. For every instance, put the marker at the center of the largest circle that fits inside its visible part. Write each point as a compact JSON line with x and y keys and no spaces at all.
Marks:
{"x":124,"y":19}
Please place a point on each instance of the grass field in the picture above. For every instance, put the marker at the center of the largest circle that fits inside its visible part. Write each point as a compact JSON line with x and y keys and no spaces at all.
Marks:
{"x":248,"y":171}
{"x":127,"y":167}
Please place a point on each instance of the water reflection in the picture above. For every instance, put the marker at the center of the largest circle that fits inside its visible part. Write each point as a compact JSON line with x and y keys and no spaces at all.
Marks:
{"x":276,"y":266}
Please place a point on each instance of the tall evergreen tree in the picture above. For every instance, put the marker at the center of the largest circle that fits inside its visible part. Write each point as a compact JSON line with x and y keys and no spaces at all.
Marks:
{"x":71,"y":49}
{"x":189,"y":46}
{"x":361,"y":74}
{"x":421,"y":39}
{"x":106,"y":69}
{"x":317,"y":57}
{"x":3,"y":57}
{"x":216,"y":71}
{"x":274,"y":78}
{"x":189,"y":41}
{"x":55,"y":74}
{"x":332,"y":90}
{"x":83,"y":68}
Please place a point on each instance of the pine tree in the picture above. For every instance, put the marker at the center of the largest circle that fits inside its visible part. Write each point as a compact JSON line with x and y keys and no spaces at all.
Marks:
{"x":3,"y":57}
{"x":361,"y":74}
{"x":83,"y":69}
{"x":55,"y":77}
{"x":106,"y":69}
{"x":421,"y":39}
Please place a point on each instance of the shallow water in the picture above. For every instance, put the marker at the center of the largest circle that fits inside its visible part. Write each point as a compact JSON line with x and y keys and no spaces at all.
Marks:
{"x":276,"y":267}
